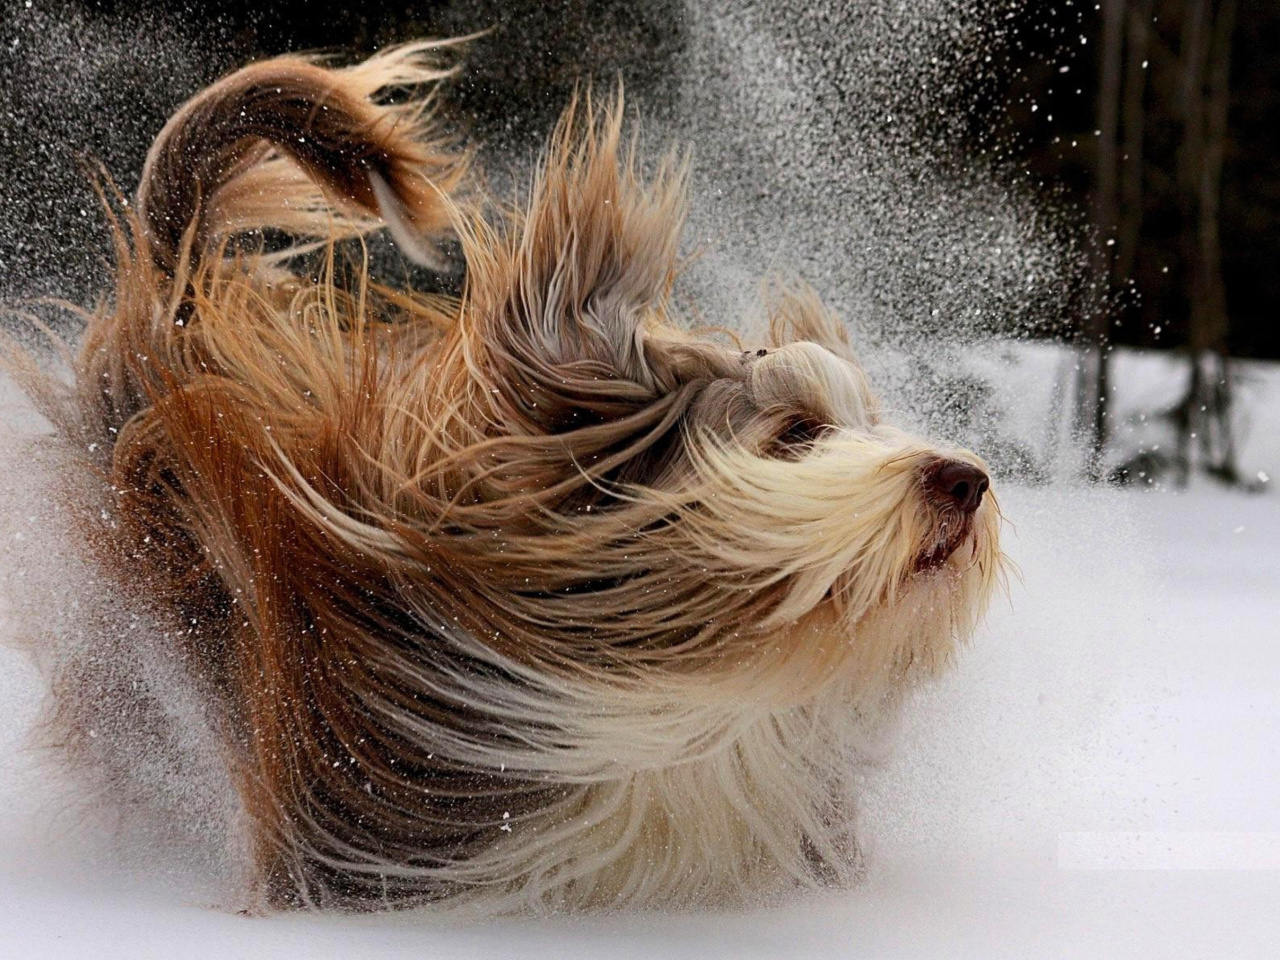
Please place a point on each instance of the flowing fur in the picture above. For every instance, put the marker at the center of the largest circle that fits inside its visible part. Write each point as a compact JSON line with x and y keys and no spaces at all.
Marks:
{"x":532,"y":600}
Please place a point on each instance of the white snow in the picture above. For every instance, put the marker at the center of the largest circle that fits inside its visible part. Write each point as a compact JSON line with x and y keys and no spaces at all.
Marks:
{"x":1031,"y":382}
{"x":1099,"y":777}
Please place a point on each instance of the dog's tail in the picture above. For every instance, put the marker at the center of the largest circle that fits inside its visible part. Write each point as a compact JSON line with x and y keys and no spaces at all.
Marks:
{"x":286,"y":145}
{"x":289,"y":144}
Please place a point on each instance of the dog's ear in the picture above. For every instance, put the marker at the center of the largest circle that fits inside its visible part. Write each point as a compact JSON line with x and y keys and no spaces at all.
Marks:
{"x":566,"y":300}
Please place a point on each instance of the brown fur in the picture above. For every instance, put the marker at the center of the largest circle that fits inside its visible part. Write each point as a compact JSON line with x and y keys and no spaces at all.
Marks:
{"x":532,"y":599}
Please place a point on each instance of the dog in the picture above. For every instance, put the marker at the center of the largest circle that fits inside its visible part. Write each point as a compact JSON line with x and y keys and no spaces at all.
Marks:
{"x":531,"y":598}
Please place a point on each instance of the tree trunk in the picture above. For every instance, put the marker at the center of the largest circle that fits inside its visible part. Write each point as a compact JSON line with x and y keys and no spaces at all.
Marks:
{"x":1135,"y":124}
{"x":1203,"y":418}
{"x":1092,"y":383}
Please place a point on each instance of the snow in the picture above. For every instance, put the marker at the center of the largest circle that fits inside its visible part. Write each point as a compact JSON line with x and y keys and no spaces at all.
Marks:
{"x":1028,"y":381}
{"x":1098,"y":777}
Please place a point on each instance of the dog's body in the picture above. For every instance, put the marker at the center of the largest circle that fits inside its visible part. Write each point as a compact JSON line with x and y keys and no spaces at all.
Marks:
{"x":532,"y":599}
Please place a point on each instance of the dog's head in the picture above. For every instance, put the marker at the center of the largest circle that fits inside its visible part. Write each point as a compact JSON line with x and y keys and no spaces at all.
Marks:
{"x":632,"y":495}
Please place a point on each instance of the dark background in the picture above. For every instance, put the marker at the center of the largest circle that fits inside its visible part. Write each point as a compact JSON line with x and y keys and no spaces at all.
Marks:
{"x":1250,"y":179}
{"x":519,"y":75}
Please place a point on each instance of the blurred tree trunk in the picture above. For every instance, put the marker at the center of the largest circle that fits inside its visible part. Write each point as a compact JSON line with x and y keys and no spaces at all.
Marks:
{"x":1093,"y":366}
{"x":1203,"y":418}
{"x":1117,"y":204}
{"x":1135,"y":123}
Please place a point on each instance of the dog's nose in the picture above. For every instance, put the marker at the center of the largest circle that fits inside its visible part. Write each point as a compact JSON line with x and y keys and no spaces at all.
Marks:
{"x":958,"y":484}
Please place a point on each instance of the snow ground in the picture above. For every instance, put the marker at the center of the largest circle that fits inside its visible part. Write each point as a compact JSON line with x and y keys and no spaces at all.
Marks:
{"x":1099,"y":777}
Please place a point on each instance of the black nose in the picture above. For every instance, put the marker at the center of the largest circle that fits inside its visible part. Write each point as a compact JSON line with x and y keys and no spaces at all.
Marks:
{"x":958,"y":484}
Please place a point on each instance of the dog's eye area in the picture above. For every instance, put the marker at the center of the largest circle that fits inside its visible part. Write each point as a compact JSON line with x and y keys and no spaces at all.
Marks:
{"x":797,"y":435}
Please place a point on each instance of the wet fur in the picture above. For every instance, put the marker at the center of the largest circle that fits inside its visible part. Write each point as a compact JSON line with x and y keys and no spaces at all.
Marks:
{"x":534,"y":599}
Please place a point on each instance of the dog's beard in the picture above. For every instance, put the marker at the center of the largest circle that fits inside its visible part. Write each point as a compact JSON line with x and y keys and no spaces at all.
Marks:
{"x":919,"y":627}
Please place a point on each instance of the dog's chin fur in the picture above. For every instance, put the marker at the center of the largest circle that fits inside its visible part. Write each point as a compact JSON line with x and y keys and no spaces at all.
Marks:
{"x":535,"y":599}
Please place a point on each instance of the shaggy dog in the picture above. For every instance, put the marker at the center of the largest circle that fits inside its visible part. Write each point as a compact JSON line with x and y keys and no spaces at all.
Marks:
{"x":531,"y":599}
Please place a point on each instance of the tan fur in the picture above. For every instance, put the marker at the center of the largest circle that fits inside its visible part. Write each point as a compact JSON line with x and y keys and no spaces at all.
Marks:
{"x":534,"y":600}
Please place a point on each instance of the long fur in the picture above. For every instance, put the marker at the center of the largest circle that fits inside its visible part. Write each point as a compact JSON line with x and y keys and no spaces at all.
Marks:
{"x":536,"y":599}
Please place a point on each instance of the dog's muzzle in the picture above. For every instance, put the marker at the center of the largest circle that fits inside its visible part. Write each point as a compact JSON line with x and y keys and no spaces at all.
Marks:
{"x":954,"y":489}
